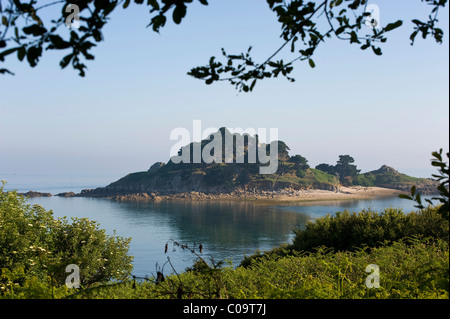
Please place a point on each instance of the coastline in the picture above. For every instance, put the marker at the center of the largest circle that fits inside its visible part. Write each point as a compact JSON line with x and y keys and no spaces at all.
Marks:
{"x":283,"y":196}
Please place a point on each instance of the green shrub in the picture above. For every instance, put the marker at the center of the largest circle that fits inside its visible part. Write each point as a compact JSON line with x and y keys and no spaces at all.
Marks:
{"x":409,"y":269}
{"x":348,"y":231}
{"x":39,"y":247}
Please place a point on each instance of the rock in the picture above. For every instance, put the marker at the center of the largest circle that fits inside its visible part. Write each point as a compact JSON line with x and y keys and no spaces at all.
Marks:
{"x":66,"y":194}
{"x":155,"y":167}
{"x":32,"y":194}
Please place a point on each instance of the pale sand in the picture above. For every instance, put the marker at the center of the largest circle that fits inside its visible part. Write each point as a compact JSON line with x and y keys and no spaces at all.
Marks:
{"x":345,"y":193}
{"x":286,"y":195}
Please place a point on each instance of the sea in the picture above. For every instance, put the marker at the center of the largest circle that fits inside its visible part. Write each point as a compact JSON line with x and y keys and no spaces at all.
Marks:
{"x":227,"y":230}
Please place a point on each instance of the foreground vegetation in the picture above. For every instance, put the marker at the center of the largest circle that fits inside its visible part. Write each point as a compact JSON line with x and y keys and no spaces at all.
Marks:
{"x":327,"y":259}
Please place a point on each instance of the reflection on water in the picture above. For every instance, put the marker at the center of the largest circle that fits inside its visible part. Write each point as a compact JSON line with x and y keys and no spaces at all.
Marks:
{"x":318,"y":209}
{"x":227,"y":229}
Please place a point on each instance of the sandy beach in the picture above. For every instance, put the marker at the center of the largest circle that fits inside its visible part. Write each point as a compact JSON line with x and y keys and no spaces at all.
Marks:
{"x":286,"y":195}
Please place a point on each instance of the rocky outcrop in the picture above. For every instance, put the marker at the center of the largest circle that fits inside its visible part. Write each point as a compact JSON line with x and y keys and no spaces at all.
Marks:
{"x":66,"y":194}
{"x":389,"y":177}
{"x":155,"y":167}
{"x":32,"y":194}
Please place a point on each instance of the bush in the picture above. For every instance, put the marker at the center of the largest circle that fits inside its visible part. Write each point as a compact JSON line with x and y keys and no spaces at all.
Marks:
{"x":33,"y":244}
{"x":348,"y":231}
{"x":409,"y":268}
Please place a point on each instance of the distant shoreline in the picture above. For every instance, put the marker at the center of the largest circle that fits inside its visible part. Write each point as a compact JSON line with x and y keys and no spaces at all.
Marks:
{"x":266,"y":197}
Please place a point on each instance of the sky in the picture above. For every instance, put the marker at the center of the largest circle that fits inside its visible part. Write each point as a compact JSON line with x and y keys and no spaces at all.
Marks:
{"x":391,"y":110}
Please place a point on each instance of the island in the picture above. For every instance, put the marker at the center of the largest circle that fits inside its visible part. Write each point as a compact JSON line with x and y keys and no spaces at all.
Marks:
{"x":232,"y":178}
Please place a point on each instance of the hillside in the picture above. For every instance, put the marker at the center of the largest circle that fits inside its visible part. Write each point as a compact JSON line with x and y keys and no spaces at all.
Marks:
{"x":293,"y":173}
{"x":388,"y":177}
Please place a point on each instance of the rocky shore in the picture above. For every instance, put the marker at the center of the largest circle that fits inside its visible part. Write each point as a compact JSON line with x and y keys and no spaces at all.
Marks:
{"x":32,"y":194}
{"x":284,"y":195}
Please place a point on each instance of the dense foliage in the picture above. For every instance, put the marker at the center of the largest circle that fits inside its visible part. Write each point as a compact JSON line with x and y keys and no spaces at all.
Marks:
{"x":349,"y":231}
{"x":409,"y":268}
{"x":36,"y":247}
{"x":443,"y":177}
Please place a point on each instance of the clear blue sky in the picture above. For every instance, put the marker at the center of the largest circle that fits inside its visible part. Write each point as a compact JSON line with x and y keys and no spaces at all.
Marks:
{"x":392,"y":109}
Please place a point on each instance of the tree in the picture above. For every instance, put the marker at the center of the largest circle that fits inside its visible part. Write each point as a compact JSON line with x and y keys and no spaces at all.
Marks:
{"x":283,"y":151}
{"x":327,"y":168}
{"x":300,"y":164}
{"x":346,"y":170}
{"x":305,"y":26}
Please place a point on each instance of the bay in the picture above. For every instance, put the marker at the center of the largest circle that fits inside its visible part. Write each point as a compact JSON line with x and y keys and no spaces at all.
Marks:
{"x":227,"y":230}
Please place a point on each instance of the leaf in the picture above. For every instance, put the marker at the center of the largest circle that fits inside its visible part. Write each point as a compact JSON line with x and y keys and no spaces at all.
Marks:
{"x":66,"y":60}
{"x":126,"y":4}
{"x":405,"y":196}
{"x":413,"y":190}
{"x":311,"y":63}
{"x":376,"y":50}
{"x":154,"y":4}
{"x":392,"y":26}
{"x":4,"y":71}
{"x":21,"y":53}
{"x":9,"y":51}
{"x":252,"y":86}
{"x":158,"y":22}
{"x":33,"y":55}
{"x":179,"y":13}
{"x":57,"y":42}
{"x":35,"y":30}
{"x":354,"y":37}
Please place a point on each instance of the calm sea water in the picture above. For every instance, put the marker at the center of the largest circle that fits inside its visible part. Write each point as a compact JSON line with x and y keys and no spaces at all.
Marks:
{"x":227,"y":229}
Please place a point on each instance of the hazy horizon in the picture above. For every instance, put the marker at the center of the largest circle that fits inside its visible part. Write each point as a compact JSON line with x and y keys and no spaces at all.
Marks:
{"x":389,"y":110}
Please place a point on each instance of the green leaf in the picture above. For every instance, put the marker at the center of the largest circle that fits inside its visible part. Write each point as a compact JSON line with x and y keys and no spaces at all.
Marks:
{"x":311,"y":63}
{"x":405,"y":196}
{"x":126,"y":4}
